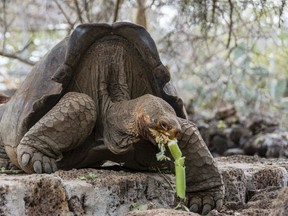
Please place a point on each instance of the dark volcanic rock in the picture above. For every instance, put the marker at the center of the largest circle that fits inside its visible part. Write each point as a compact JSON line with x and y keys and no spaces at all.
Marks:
{"x":270,"y":145}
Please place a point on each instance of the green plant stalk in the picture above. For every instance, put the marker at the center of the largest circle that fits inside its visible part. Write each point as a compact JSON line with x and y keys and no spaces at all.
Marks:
{"x":179,"y":168}
{"x":176,"y":153}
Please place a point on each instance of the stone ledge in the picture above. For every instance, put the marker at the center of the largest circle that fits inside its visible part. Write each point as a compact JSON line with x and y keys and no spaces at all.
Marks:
{"x":107,"y":193}
{"x":252,"y":185}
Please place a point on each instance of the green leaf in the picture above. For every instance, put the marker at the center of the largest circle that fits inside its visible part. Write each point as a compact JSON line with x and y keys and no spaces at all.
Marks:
{"x":139,"y":207}
{"x":92,"y":175}
{"x":221,"y":125}
{"x":82,"y":178}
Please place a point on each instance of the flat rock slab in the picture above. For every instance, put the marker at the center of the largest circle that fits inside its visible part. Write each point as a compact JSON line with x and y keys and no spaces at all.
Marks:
{"x":254,"y":186}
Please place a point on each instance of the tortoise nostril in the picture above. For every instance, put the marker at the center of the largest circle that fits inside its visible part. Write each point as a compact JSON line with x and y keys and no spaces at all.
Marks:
{"x":164,"y":126}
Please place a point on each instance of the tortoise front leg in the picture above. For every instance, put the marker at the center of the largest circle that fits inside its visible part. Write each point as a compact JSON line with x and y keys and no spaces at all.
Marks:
{"x":63,"y":128}
{"x":204,"y":182}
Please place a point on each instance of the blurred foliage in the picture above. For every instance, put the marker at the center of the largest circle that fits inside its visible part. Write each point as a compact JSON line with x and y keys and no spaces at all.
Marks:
{"x":220,"y":53}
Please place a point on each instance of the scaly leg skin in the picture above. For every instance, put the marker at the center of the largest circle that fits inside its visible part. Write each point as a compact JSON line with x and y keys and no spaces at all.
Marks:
{"x":63,"y":128}
{"x":204,"y":182}
{"x":4,"y":160}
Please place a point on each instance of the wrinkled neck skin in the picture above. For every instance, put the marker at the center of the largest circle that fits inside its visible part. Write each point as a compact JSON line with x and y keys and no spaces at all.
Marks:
{"x":2,"y":109}
{"x":120,"y":126}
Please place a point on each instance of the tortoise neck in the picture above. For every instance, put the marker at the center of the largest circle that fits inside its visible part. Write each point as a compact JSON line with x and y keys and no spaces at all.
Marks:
{"x":121,"y":116}
{"x":120,"y":126}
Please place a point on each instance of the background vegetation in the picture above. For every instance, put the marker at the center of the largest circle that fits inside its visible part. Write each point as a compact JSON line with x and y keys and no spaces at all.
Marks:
{"x":220,"y":52}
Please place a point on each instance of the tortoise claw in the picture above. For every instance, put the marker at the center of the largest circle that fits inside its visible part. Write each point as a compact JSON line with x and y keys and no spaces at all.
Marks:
{"x":219,"y":204}
{"x":195,"y":204}
{"x":33,"y":161}
{"x":54,"y":167}
{"x":205,"y":201}
{"x":47,"y":168}
{"x":37,"y":167}
{"x":47,"y":165}
{"x":25,"y":159}
{"x":194,"y":208}
{"x":206,"y":209}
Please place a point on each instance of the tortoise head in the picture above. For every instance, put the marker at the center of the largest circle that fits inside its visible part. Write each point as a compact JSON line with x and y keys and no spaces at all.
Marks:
{"x":156,"y":115}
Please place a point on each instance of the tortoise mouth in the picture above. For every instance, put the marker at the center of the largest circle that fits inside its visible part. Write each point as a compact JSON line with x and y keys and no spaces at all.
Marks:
{"x":164,"y":127}
{"x":154,"y":135}
{"x":151,"y":138}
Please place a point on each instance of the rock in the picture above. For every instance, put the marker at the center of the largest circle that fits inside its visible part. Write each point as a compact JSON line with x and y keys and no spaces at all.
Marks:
{"x":63,"y":193}
{"x":238,"y":131}
{"x":280,"y":204}
{"x":225,"y":112}
{"x":270,"y":145}
{"x":261,"y":123}
{"x":218,"y":144}
{"x":261,"y":203}
{"x":228,"y":115}
{"x":255,"y":134}
{"x":161,"y":212}
{"x":32,"y":195}
{"x":234,"y":151}
{"x":253,"y":186}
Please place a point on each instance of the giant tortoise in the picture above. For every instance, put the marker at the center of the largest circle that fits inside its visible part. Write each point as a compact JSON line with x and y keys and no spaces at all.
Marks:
{"x":94,"y":97}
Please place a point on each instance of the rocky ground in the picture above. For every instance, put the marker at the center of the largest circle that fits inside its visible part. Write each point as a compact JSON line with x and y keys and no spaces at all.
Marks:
{"x":225,"y":133}
{"x":254,"y":186}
